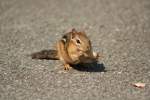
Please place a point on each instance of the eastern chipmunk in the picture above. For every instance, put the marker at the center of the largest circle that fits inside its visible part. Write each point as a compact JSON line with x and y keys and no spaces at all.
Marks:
{"x":73,"y":48}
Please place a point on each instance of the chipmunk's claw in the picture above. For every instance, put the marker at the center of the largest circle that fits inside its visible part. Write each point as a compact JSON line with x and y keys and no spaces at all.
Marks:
{"x":66,"y":67}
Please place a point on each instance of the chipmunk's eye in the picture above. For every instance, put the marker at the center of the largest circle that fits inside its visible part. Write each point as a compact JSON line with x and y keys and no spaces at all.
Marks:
{"x":78,"y":41}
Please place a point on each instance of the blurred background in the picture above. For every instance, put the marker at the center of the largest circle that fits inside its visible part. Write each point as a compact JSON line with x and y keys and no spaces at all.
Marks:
{"x":119,"y":29}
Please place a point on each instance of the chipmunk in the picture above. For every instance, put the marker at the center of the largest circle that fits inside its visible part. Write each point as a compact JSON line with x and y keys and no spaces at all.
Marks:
{"x":73,"y":48}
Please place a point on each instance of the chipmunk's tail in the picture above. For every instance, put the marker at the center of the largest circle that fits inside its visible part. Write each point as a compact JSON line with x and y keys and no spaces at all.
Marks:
{"x":45,"y":54}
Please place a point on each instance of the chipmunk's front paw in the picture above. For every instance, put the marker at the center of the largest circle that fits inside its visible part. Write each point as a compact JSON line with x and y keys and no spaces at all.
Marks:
{"x":97,"y":55}
{"x":66,"y":67}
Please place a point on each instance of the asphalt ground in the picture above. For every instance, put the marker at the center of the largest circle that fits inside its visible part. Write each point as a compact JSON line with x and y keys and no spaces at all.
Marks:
{"x":118,"y":29}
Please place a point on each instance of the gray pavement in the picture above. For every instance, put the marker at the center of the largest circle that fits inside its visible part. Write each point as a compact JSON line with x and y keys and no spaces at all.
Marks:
{"x":119,"y":29}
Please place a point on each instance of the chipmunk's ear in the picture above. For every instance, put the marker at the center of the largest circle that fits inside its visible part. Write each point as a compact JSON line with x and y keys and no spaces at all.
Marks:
{"x":74,"y":30}
{"x":73,"y":33}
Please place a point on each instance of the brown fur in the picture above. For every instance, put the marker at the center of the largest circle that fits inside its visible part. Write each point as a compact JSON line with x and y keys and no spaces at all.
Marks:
{"x":73,"y":48}
{"x":46,"y":54}
{"x":71,"y":52}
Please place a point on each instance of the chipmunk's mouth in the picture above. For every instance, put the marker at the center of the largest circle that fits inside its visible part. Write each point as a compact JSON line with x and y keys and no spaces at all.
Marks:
{"x":80,"y":50}
{"x":83,"y":52}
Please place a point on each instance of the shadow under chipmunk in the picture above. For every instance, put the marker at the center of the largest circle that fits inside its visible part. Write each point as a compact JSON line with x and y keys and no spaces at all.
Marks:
{"x":90,"y":67}
{"x":86,"y":67}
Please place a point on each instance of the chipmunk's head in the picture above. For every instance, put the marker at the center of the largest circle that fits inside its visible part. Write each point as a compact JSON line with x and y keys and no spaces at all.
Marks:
{"x":80,"y":42}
